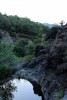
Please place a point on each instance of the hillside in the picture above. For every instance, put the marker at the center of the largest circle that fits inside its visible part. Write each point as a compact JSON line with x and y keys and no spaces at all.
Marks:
{"x":23,"y":27}
{"x":33,"y":51}
{"x":18,"y":36}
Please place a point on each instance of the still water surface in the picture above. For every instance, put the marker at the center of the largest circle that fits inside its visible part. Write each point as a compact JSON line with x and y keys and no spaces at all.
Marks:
{"x":20,"y":90}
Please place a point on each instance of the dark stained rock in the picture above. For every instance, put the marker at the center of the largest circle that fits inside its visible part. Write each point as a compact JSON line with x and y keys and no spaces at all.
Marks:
{"x":55,"y":56}
{"x":53,"y":62}
{"x":32,"y":63}
{"x":38,"y":48}
{"x":61,"y":69}
{"x":65,"y":59}
{"x":52,"y":33}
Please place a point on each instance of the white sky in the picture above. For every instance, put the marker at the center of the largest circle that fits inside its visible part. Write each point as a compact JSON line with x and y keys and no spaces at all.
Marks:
{"x":50,"y":11}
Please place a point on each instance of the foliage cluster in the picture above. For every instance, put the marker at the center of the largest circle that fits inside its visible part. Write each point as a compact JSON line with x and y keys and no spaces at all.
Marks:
{"x":23,"y":26}
{"x":7,"y":59}
{"x":60,"y":94}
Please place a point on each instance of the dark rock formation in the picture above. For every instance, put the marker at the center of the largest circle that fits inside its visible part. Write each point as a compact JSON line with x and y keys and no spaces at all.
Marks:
{"x":50,"y":65}
{"x":38,"y":49}
{"x":52,"y":33}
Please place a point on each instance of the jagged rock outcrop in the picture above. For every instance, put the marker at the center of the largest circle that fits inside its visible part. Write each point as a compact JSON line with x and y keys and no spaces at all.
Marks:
{"x":49,"y":67}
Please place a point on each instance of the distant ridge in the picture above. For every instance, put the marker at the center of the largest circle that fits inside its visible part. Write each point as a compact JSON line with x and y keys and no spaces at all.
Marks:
{"x":49,"y":25}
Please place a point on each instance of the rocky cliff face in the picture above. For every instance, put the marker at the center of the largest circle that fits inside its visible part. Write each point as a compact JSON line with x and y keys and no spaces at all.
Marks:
{"x":49,"y":67}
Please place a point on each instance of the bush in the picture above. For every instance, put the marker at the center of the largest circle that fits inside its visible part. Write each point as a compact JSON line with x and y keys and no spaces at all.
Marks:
{"x":13,"y":34}
{"x":19,"y":51}
{"x":30,"y":48}
{"x":60,"y":94}
{"x":20,"y":48}
{"x":7,"y":60}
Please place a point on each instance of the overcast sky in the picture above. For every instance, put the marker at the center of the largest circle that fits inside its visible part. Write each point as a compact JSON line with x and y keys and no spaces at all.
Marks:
{"x":50,"y":11}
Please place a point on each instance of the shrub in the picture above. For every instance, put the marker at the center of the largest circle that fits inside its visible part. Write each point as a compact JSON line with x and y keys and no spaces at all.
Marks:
{"x":7,"y":59}
{"x":30,"y":48}
{"x":13,"y":34}
{"x":60,"y":94}
{"x":19,"y":51}
{"x":20,"y":48}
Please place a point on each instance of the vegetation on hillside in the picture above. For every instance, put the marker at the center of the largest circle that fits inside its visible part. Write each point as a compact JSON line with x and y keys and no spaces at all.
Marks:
{"x":29,"y":34}
{"x":7,"y":59}
{"x":23,"y":26}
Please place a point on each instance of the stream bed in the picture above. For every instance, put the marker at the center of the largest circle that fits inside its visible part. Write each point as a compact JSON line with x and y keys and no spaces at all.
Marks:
{"x":20,"y":89}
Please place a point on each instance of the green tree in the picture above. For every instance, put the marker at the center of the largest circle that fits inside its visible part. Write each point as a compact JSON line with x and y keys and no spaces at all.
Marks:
{"x":7,"y":59}
{"x":20,"y":48}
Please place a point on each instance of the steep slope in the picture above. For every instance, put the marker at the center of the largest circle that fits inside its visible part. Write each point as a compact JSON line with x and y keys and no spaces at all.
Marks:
{"x":49,"y":67}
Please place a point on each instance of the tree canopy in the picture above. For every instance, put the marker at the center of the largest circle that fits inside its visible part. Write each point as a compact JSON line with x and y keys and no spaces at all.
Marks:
{"x":23,"y":26}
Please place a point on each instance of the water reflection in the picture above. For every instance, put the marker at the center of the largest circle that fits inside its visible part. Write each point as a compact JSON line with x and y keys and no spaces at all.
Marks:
{"x":6,"y":91}
{"x":20,"y":90}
